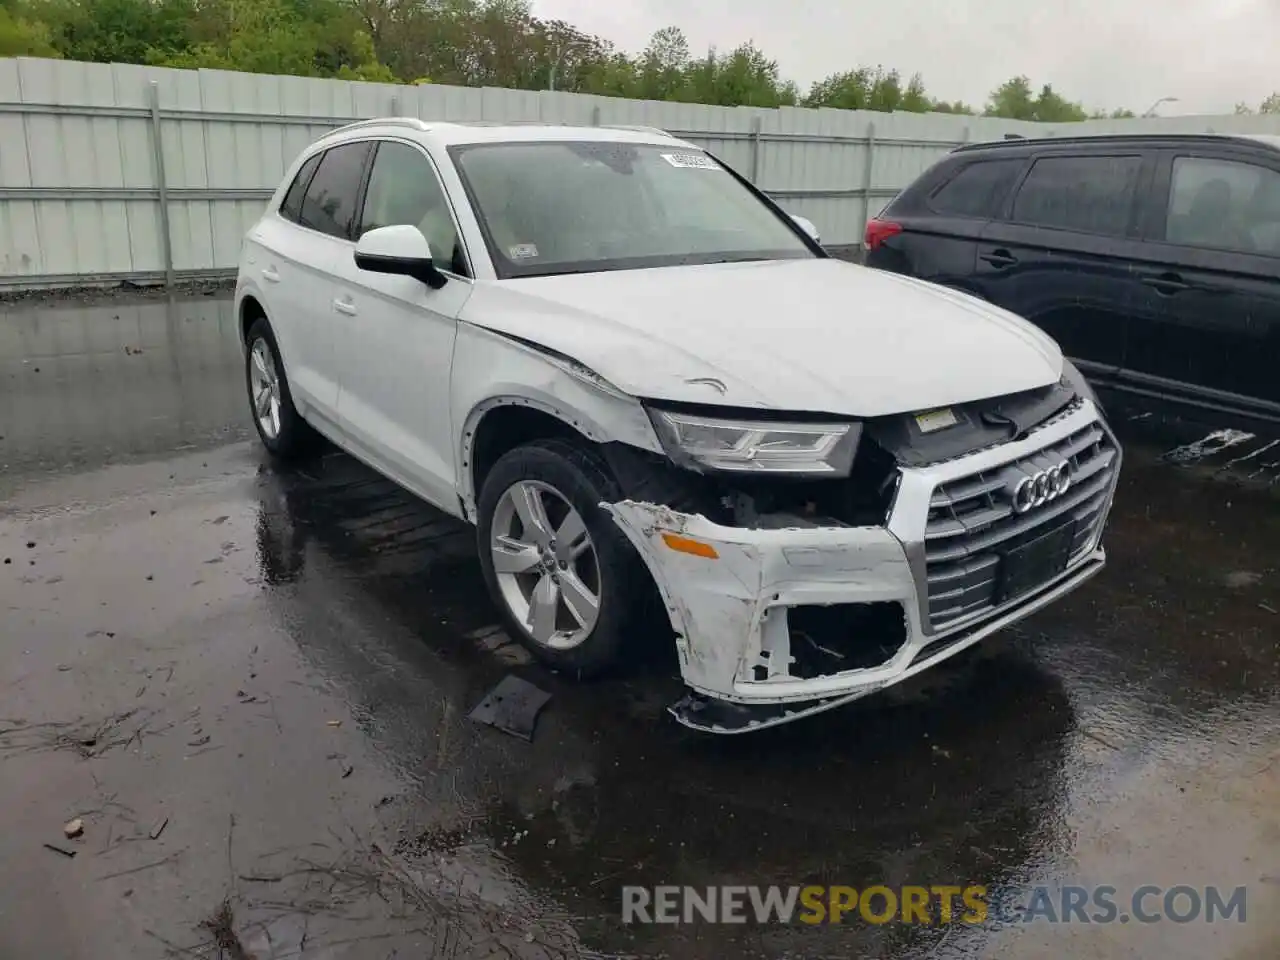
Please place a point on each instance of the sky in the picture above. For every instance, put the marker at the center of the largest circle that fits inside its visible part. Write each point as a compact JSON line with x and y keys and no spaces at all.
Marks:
{"x":1210,"y":54}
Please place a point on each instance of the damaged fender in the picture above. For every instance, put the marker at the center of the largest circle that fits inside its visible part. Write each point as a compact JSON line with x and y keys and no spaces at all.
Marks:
{"x":492,"y":370}
{"x":727,"y":591}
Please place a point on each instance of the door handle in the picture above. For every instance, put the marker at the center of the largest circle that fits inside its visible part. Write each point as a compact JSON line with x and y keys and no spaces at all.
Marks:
{"x":270,"y":275}
{"x":1000,"y":258}
{"x":345,"y":306}
{"x":1167,"y":284}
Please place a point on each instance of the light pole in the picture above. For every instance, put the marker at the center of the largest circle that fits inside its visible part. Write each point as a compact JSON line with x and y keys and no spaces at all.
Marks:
{"x":1151,"y":112}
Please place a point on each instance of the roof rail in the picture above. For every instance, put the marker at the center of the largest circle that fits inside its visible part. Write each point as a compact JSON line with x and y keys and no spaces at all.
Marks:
{"x":413,"y":122}
{"x":638,"y":128}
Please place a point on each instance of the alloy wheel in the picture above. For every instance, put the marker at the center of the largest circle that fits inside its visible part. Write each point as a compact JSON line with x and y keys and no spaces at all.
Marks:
{"x":546,"y":564}
{"x":264,"y":388}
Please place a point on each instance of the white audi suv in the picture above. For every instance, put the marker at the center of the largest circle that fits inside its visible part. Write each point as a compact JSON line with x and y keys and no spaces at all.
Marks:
{"x":641,"y":380}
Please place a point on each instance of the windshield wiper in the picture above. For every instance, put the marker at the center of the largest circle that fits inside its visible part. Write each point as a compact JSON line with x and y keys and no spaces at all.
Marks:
{"x":699,"y":259}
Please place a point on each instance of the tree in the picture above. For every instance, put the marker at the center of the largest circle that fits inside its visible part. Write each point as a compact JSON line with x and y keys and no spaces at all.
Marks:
{"x":663,"y":65}
{"x":1112,"y":115}
{"x":114,"y":31}
{"x":956,"y":106}
{"x":23,"y":38}
{"x":1014,"y":99}
{"x":462,"y":42}
{"x":745,"y":77}
{"x":869,"y":89}
{"x":1271,"y":104}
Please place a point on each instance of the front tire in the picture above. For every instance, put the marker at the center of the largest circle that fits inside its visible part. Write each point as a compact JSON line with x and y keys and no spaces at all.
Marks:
{"x":567,"y":581}
{"x":282,"y":430}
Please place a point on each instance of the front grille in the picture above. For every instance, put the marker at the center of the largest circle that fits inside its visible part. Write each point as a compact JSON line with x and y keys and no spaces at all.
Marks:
{"x":972,"y":521}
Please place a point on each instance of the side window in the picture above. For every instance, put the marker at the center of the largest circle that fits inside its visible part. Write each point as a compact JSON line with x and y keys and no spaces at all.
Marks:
{"x":403,"y":189}
{"x":330,"y":201}
{"x":1090,"y":194}
{"x":1224,"y":205}
{"x":975,"y":190}
{"x":291,"y":208}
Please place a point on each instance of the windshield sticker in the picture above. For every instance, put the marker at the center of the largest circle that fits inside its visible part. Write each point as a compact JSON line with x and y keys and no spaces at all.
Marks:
{"x":935,"y":420}
{"x":522,"y":251}
{"x":692,"y":161}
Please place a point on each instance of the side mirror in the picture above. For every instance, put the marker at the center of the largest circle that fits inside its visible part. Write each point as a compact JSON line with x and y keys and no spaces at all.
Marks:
{"x":401,"y":250}
{"x":805,"y":224}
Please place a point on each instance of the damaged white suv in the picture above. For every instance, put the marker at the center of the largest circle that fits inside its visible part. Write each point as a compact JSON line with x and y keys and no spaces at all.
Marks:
{"x":631,"y":370}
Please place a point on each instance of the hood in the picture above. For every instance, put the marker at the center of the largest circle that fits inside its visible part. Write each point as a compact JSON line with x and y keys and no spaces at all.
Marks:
{"x":803,"y":335}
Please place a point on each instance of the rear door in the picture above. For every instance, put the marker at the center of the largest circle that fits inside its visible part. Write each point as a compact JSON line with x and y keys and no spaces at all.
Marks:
{"x":1207,"y":321}
{"x":279,"y":260}
{"x":1060,"y":253}
{"x":941,"y":223}
{"x":299,"y":248}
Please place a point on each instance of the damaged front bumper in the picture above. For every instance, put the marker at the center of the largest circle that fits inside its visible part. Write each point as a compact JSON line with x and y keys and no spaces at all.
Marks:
{"x":776,"y":624}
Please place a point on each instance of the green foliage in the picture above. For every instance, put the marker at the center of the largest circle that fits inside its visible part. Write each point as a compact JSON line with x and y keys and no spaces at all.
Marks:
{"x":20,"y":37}
{"x":1015,"y":99}
{"x":868,"y":89}
{"x":1270,"y":105}
{"x":497,"y":43}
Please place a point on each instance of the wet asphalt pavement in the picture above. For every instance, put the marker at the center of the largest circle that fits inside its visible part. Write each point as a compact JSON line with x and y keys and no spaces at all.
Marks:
{"x":252,"y":686}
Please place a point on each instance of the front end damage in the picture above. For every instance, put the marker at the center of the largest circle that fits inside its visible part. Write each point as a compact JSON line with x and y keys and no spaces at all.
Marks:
{"x":786,"y":606}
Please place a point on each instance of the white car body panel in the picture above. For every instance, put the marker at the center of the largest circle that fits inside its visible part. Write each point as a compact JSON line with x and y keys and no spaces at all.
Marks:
{"x":402,"y":376}
{"x":490,"y":371}
{"x":291,"y":266}
{"x":806,"y":335}
{"x":395,"y":337}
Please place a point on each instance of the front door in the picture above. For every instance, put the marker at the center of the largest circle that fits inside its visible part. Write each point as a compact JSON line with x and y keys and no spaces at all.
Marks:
{"x":1208,"y":318}
{"x":395,"y":335}
{"x":1058,"y":255}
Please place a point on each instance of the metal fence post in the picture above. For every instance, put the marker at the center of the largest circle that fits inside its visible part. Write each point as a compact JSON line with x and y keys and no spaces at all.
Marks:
{"x":755,"y":150}
{"x":595,"y":115}
{"x":395,"y":105}
{"x":866,"y":178}
{"x":162,"y":185}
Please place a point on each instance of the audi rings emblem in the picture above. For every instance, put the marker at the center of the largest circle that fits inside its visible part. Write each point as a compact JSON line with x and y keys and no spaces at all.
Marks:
{"x":1037,"y":489}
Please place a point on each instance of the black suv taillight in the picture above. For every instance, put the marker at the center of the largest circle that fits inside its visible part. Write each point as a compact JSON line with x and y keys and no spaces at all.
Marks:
{"x":878,"y":231}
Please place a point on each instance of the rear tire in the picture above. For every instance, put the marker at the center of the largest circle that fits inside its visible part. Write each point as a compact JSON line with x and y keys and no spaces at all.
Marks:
{"x":573,"y":554}
{"x":282,"y":430}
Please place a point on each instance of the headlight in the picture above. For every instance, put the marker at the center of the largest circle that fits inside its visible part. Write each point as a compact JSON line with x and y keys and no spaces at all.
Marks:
{"x":1072,"y":376}
{"x":758,"y":446}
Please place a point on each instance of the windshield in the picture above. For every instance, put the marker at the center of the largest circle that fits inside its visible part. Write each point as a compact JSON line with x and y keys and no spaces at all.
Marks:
{"x":572,"y":207}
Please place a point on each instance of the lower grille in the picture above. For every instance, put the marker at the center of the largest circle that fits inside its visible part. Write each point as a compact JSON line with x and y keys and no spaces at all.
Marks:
{"x":973,"y":523}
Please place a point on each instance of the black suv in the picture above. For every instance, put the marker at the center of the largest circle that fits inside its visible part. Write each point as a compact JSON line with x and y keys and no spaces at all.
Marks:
{"x":1153,"y":260}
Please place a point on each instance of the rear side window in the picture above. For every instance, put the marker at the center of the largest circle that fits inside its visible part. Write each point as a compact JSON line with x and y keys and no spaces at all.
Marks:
{"x":1224,"y":205}
{"x":976,"y":190}
{"x":1088,"y":194}
{"x":330,"y":201}
{"x":291,"y":209}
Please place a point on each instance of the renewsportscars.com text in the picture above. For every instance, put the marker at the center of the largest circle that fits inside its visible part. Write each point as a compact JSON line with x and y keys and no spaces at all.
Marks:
{"x":928,"y":905}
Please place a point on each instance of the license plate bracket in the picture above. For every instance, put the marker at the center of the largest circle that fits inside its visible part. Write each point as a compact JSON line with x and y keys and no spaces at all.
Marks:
{"x":1036,"y":562}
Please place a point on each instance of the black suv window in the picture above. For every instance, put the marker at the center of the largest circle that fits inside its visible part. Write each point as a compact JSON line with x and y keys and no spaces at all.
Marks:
{"x":330,"y":201}
{"x":1224,"y":205}
{"x":1090,"y":194}
{"x":291,"y":209}
{"x":976,"y":189}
